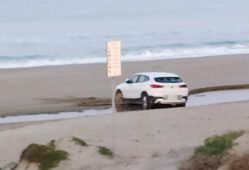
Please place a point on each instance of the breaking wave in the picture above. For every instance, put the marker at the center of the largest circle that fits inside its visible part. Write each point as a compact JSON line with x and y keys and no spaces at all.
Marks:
{"x":144,"y":53}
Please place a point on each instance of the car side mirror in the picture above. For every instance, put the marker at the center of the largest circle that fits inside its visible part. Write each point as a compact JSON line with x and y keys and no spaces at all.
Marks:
{"x":128,"y":81}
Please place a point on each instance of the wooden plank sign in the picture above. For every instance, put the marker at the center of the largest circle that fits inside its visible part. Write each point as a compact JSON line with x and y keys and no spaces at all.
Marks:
{"x":113,"y":58}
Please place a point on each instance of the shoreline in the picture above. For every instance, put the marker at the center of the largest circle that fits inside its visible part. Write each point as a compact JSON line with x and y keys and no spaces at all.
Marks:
{"x":126,"y":61}
{"x":59,"y":88}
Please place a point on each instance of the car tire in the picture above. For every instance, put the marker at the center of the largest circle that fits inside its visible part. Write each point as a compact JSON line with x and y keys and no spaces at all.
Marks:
{"x":119,"y":102}
{"x":145,"y":101}
{"x":182,"y":105}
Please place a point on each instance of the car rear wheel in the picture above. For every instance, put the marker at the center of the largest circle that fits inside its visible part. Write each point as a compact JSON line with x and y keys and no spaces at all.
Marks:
{"x":119,"y":101}
{"x":145,"y":101}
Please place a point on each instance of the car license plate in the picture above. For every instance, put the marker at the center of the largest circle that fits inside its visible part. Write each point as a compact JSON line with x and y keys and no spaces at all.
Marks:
{"x":172,"y":97}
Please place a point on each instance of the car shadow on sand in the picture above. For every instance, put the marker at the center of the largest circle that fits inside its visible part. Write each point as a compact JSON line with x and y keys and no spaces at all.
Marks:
{"x":137,"y":107}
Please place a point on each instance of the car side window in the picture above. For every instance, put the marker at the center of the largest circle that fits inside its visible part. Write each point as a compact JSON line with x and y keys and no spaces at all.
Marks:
{"x":134,"y":79}
{"x":143,"y":78}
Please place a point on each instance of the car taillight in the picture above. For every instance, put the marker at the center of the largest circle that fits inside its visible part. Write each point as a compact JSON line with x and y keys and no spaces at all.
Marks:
{"x":156,"y":86}
{"x":183,"y":86}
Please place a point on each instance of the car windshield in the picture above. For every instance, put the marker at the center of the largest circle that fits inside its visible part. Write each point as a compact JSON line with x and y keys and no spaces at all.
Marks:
{"x":168,"y":79}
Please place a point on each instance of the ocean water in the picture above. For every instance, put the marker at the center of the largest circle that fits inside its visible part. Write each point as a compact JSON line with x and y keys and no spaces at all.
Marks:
{"x":56,"y":32}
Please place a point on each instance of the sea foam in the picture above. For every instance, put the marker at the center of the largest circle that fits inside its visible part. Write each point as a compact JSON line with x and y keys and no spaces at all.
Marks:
{"x":148,"y":54}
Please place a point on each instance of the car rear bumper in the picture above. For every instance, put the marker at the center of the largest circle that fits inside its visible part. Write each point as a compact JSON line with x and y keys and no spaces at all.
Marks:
{"x":169,"y":100}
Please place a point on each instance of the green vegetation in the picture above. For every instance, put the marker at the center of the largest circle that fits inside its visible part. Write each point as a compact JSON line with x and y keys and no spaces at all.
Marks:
{"x":218,"y":144}
{"x":211,"y":154}
{"x":45,"y":155}
{"x":105,"y":151}
{"x":79,"y":141}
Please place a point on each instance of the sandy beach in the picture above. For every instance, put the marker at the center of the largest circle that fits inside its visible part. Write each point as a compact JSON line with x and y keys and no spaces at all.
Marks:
{"x":141,"y":140}
{"x":56,"y":100}
{"x":60,"y":88}
{"x":144,"y":140}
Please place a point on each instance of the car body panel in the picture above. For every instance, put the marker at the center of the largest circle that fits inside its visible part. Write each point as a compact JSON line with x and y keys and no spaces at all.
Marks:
{"x":168,"y":93}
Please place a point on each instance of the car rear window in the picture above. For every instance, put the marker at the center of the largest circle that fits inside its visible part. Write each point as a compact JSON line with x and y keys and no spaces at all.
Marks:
{"x":168,"y":79}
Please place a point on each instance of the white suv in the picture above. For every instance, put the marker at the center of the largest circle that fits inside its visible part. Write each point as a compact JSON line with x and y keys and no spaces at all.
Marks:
{"x":150,"y":88}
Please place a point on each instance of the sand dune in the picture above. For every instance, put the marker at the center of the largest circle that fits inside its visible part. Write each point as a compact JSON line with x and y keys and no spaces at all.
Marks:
{"x":155,"y":139}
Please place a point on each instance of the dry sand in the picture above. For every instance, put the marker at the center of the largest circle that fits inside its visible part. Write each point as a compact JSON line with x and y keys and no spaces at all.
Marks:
{"x":60,"y":88}
{"x":143,"y":140}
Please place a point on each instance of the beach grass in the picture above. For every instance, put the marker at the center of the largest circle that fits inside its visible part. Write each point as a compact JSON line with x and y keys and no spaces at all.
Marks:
{"x":218,"y":144}
{"x":79,"y":141}
{"x":45,"y":155}
{"x":211,"y":154}
{"x":105,"y":151}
